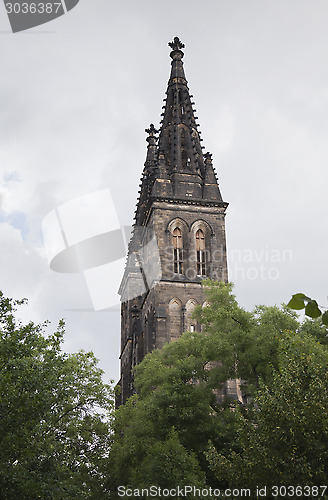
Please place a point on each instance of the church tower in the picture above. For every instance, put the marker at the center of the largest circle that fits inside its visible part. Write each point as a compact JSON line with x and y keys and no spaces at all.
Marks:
{"x":179,"y":231}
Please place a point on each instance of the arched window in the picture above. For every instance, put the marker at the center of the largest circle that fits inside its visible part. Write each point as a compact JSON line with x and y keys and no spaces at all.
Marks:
{"x":175,"y":318}
{"x":177,"y":251}
{"x":190,"y":323}
{"x":201,"y":253}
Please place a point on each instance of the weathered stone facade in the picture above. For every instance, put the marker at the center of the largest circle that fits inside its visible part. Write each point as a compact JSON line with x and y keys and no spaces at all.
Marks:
{"x":181,"y":208}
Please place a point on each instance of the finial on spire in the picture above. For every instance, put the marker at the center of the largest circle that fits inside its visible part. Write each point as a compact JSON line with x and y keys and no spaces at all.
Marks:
{"x":176,"y":44}
{"x":208,"y":157}
{"x":151,"y":131}
{"x":176,"y":47}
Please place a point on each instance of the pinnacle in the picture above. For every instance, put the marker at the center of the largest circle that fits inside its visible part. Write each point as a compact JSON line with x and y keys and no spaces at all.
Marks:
{"x":176,"y":45}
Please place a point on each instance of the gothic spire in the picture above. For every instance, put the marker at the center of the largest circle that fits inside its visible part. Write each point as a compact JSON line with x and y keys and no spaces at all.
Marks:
{"x":175,"y":166}
{"x":177,"y":55}
{"x":152,"y":140}
{"x":179,"y":138}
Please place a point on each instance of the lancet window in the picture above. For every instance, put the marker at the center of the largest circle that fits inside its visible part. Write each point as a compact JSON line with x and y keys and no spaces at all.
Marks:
{"x":200,"y":253}
{"x":177,"y":251}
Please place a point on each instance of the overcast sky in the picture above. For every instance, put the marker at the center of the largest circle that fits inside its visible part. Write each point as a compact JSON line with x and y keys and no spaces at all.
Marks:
{"x":76,"y":96}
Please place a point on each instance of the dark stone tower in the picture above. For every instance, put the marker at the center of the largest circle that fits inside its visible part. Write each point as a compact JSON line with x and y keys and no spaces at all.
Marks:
{"x":180,"y":221}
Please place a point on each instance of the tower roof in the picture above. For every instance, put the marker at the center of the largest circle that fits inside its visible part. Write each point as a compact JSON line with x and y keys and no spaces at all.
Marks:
{"x":175,"y":167}
{"x":179,"y":138}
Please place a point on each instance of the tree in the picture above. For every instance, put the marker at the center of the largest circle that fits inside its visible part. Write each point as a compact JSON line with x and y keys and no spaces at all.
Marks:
{"x":177,"y":410}
{"x":285,"y":441}
{"x":55,"y":414}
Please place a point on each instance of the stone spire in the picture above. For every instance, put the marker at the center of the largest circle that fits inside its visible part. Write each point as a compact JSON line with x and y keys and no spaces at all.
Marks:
{"x":179,"y":138}
{"x":175,"y":166}
{"x":148,"y":176}
{"x":152,"y":141}
{"x":211,"y":190}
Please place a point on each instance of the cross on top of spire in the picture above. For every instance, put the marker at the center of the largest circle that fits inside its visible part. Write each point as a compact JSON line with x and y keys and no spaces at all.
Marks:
{"x":176,"y":44}
{"x":151,"y":131}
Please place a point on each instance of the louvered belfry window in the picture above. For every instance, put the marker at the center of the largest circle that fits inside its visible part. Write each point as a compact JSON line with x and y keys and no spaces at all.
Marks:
{"x":201,"y":253}
{"x":177,"y":251}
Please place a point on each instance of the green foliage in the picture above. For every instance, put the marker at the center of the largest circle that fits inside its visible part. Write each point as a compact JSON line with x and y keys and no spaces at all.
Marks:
{"x":55,"y":414}
{"x":242,"y":341}
{"x":142,"y":455}
{"x":300,"y":301}
{"x":286,"y":440}
{"x":178,"y":421}
{"x":315,"y":329}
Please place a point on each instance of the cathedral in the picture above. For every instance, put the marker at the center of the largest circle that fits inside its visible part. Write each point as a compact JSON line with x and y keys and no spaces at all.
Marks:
{"x":178,"y":238}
